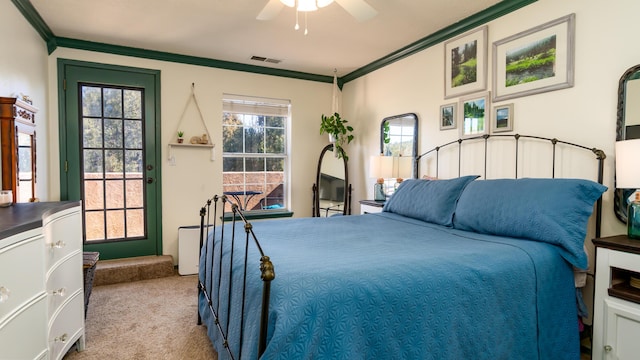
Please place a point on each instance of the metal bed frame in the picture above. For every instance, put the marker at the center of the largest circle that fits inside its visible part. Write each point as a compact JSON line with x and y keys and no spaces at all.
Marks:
{"x":267,"y":272}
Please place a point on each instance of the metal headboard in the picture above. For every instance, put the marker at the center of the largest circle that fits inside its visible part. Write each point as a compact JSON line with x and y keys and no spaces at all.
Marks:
{"x":600,"y":156}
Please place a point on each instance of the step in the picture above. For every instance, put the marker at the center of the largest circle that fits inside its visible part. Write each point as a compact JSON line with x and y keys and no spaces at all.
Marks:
{"x":133,"y":269}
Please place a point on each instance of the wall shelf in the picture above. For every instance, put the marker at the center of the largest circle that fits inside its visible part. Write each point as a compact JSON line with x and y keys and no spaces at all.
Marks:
{"x":172,"y":158}
{"x":207,"y":146}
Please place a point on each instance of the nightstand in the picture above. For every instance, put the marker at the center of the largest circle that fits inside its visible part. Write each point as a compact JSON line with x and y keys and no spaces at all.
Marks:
{"x":371,"y":206}
{"x":616,"y":320}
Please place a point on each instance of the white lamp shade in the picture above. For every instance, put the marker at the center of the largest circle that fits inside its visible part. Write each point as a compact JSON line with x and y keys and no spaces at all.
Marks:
{"x":381,"y":166}
{"x":627,"y":164}
{"x":404,"y":167}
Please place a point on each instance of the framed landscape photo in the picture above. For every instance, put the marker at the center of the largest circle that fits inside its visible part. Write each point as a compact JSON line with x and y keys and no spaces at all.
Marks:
{"x":448,"y":114}
{"x":534,"y":61}
{"x":474,"y":115}
{"x":465,"y":59}
{"x":503,"y":118}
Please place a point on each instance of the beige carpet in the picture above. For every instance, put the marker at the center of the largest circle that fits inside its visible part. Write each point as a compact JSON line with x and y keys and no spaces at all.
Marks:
{"x":148,"y":319}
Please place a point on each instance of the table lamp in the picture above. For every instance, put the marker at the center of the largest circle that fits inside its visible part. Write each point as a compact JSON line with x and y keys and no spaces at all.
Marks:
{"x":381,"y":167}
{"x":403,"y":169}
{"x":628,"y":177}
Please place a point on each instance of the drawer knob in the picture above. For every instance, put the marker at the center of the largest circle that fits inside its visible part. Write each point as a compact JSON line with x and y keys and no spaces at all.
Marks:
{"x":60,"y":292}
{"x":4,"y":294}
{"x":608,"y":348}
{"x":62,"y":338}
{"x":58,"y":244}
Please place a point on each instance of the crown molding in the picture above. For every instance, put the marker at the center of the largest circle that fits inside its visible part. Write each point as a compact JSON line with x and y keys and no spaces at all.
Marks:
{"x":53,"y":42}
{"x":451,"y":31}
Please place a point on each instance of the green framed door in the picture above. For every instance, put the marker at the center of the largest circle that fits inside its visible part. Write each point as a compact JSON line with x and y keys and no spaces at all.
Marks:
{"x":109,"y":155}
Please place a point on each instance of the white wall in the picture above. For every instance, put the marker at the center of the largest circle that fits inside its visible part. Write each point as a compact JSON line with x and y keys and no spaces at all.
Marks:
{"x":28,"y":69}
{"x":23,"y":71}
{"x":585,"y":114}
{"x":194,"y":178}
{"x":605,"y":37}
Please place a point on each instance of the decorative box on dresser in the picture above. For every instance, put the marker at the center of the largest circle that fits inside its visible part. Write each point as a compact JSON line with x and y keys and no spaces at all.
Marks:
{"x":41,"y":285}
{"x":371,"y":206}
{"x":616,"y":321}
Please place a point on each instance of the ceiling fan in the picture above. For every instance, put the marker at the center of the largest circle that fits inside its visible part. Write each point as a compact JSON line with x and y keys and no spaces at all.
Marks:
{"x":359,"y":9}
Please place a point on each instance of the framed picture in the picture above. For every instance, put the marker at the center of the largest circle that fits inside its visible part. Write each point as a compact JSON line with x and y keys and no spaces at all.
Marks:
{"x":474,"y":115}
{"x":465,"y":63}
{"x":448,"y":116}
{"x":503,"y":118}
{"x":534,"y":61}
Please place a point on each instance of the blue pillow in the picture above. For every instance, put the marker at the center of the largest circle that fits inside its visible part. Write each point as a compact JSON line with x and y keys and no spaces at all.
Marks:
{"x":555,"y":211}
{"x":432,"y":201}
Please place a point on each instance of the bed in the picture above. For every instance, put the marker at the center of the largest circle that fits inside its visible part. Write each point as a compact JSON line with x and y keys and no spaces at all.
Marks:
{"x":457,"y":268}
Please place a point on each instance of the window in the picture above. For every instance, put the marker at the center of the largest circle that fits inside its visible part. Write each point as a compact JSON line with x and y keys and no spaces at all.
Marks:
{"x":254,"y":169}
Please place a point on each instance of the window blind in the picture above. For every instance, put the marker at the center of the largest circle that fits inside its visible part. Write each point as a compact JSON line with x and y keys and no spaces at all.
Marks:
{"x":255,"y":105}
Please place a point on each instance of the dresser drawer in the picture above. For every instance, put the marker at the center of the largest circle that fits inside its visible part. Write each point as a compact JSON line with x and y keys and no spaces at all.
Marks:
{"x":21,"y":335}
{"x":63,"y":234}
{"x":66,"y":326}
{"x":21,"y":274}
{"x":63,"y":280}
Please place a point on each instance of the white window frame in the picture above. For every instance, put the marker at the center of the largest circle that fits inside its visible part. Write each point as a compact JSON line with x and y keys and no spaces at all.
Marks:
{"x":249,"y":105}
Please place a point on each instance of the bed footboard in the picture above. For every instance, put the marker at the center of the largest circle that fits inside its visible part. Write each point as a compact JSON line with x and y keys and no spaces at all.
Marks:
{"x":211,"y":280}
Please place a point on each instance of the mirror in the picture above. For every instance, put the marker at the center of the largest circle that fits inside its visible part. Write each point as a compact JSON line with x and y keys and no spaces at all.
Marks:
{"x":332,"y":191}
{"x":399,"y":137}
{"x":627,"y":127}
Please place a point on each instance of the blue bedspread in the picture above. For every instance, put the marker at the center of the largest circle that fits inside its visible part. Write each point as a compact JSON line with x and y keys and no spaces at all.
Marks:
{"x":383,"y":286}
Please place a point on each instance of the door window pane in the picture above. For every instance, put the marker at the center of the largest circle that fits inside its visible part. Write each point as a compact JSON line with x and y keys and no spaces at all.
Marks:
{"x":113,"y":163}
{"x":134,"y":196}
{"x":112,"y":103}
{"x":92,"y":133}
{"x":115,"y":224}
{"x":133,"y":104}
{"x":91,"y":101}
{"x":112,"y":133}
{"x":115,"y":191}
{"x":96,"y":189}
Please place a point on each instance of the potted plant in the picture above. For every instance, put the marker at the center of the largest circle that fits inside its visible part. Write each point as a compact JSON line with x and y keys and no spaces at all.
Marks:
{"x":386,"y":137}
{"x":338,"y":132}
{"x":180,"y":137}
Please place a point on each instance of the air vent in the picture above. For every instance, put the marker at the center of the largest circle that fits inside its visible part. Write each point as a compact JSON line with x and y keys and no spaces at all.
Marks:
{"x":266,"y":59}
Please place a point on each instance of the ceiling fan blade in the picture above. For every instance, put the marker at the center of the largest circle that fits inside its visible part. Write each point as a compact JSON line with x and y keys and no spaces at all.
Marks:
{"x":359,"y":9}
{"x":270,"y":10}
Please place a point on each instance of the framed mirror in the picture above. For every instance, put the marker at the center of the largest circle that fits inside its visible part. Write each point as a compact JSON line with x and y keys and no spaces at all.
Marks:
{"x":332,"y":191}
{"x":627,"y":127}
{"x":399,"y":137}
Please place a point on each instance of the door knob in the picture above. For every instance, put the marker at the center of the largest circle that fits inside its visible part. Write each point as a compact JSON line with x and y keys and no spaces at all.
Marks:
{"x":149,"y":180}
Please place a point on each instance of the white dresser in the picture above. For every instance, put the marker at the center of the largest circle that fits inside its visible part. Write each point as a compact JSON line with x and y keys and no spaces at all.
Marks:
{"x":41,"y":281}
{"x":616,"y":321}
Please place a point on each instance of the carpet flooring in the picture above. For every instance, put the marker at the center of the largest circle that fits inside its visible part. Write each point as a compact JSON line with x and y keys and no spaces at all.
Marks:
{"x":147,"y":319}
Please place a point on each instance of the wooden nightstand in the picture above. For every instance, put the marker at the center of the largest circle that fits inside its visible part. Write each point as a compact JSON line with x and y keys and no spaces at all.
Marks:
{"x":616,"y":320}
{"x":371,"y":206}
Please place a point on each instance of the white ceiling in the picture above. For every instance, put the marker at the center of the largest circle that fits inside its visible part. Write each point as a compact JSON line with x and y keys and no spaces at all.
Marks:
{"x":228,"y":30}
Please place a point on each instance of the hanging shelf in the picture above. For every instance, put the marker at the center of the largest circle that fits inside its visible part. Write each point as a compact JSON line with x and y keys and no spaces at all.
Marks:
{"x":209,"y":145}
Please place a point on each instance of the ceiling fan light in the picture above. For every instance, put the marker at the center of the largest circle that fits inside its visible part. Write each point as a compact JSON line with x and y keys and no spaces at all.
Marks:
{"x":323,"y":3}
{"x":307,"y":5}
{"x":289,"y":3}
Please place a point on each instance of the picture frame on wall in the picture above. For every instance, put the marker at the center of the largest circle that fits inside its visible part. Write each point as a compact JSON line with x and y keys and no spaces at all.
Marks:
{"x":502,"y":118}
{"x":534,"y":61}
{"x":474,"y":115}
{"x":465,"y":59}
{"x":448,"y":116}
